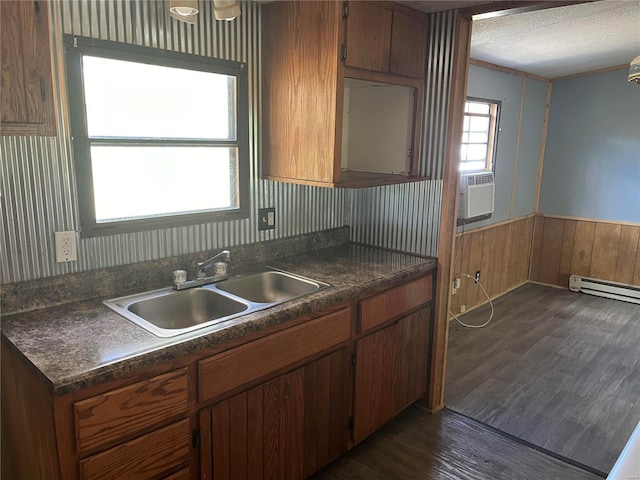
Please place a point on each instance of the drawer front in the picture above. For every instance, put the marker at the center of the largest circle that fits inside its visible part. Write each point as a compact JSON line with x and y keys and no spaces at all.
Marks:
{"x":120,"y":414}
{"x":146,"y":457}
{"x":236,"y":367}
{"x":394,"y":302}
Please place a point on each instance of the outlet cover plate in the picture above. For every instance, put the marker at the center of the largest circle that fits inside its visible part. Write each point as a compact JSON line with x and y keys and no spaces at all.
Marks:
{"x":266,"y":218}
{"x":66,"y":246}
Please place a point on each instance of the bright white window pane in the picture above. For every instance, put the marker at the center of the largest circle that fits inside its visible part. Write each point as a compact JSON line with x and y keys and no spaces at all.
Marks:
{"x":128,"y":99}
{"x":472,"y":107}
{"x":479,"y":124}
{"x":478,"y":137}
{"x":471,"y":166}
{"x":476,"y":152}
{"x":132,"y":182}
{"x":463,"y":152}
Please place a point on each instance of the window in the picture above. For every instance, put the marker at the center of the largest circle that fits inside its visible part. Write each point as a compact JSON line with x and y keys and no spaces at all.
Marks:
{"x":159,"y":138}
{"x":479,"y":136}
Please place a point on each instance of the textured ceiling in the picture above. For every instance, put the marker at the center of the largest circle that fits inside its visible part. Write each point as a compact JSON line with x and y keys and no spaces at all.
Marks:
{"x":561,"y":41}
{"x":557,"y":41}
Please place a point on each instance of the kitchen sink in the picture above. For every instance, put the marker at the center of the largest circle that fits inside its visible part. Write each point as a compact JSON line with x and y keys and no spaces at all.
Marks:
{"x":167,"y":312}
{"x":186,"y":308}
{"x":270,"y":287}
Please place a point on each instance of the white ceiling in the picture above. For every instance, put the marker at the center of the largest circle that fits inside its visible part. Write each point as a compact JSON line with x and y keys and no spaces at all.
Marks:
{"x":557,"y":41}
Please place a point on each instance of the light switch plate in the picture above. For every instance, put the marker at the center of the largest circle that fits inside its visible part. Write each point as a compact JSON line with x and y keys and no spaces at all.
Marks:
{"x":266,"y":218}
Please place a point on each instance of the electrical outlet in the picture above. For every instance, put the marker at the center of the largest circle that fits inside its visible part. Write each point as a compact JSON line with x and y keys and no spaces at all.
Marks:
{"x":66,"y":247}
{"x":478,"y":276}
{"x":266,"y":218}
{"x":462,"y":308}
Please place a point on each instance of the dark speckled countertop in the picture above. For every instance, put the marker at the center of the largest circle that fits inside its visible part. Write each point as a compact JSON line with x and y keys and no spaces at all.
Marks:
{"x":80,"y":344}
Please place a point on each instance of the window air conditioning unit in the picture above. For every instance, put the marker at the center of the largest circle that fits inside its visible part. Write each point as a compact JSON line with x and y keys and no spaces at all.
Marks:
{"x":477,"y":193}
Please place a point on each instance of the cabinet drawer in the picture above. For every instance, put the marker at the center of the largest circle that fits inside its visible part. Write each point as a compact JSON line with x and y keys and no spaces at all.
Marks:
{"x":234,"y":368}
{"x":145,"y":457}
{"x":120,"y":414}
{"x":394,"y":302}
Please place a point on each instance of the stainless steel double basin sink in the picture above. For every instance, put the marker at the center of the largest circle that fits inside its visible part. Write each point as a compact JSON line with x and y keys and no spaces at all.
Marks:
{"x":167,"y":312}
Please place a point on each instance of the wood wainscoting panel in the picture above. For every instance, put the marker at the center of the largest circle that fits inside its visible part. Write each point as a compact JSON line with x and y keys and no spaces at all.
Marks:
{"x":591,"y":248}
{"x":604,"y":258}
{"x":628,"y":255}
{"x":582,"y":248}
{"x":569,"y":237}
{"x":552,"y":236}
{"x":501,"y":253}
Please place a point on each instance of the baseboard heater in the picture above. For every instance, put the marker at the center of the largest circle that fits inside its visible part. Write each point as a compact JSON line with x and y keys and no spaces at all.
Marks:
{"x":604,"y":288}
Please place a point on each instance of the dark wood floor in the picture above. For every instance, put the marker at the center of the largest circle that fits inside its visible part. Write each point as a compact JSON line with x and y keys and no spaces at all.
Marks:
{"x":417,"y":445}
{"x":558,"y":369}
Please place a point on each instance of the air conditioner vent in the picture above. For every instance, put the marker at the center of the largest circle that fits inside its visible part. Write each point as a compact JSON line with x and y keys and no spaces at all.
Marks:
{"x":477,"y":192}
{"x":480,"y":178}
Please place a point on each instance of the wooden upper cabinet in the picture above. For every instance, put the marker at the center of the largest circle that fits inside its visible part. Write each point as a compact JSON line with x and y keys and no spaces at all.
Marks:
{"x":302,"y":88}
{"x":26,"y":102}
{"x":408,"y":45}
{"x":382,"y":37}
{"x":368,"y":36}
{"x":326,"y":117}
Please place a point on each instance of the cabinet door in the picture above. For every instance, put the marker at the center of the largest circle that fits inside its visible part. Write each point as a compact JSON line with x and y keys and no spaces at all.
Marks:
{"x":368,"y":37}
{"x":286,"y":428}
{"x":26,"y":102}
{"x":408,"y":45}
{"x":391,"y":371}
{"x":302,"y":91}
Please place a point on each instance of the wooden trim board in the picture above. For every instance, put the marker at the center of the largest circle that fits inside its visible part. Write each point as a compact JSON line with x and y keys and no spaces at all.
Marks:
{"x":434,"y":398}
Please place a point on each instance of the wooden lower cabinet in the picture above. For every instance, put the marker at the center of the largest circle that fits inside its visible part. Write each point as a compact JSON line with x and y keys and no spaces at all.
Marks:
{"x":391,"y":371}
{"x":146,"y":457}
{"x":286,"y":428}
{"x":280,"y":406}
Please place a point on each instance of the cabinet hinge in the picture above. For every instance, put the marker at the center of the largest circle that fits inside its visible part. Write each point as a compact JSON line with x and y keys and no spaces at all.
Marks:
{"x":195,"y":438}
{"x":343,"y":52}
{"x":351,"y":423}
{"x":353,"y":359}
{"x":345,"y":9}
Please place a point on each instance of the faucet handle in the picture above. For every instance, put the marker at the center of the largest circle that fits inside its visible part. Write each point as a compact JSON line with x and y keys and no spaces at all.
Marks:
{"x":220,"y":268}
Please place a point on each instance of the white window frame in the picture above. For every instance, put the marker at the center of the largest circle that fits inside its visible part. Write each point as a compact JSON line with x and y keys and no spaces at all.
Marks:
{"x":492,"y":134}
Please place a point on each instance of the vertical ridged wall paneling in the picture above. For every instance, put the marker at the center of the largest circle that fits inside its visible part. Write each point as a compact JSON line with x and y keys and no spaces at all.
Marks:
{"x":400,"y":217}
{"x":38,"y":183}
{"x":438,"y":84}
{"x":407,"y":217}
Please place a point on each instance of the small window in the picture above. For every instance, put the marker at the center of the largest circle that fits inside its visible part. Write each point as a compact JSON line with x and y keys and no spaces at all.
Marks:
{"x":479,"y":136}
{"x":160,"y":138}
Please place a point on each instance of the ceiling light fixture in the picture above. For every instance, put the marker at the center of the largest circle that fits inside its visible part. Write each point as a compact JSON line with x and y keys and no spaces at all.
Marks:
{"x":226,"y":9}
{"x":190,"y":19}
{"x":183,"y":8}
{"x":634,"y":70}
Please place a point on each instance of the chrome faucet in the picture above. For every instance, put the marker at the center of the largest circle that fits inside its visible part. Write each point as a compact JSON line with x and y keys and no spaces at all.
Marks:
{"x":207,"y":264}
{"x":201,"y":275}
